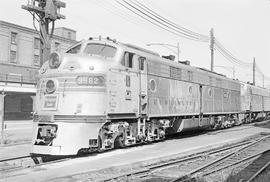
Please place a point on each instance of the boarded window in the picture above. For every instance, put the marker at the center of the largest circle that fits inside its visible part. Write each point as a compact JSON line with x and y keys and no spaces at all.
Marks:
{"x":13,"y":56}
{"x":36,"y":59}
{"x":175,"y":73}
{"x":13,"y":38}
{"x":36,"y":43}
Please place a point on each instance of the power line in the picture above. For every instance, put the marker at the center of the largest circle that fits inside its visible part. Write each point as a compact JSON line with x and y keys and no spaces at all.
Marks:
{"x":136,"y":10}
{"x":229,"y":56}
{"x":169,"y":22}
{"x":163,"y":23}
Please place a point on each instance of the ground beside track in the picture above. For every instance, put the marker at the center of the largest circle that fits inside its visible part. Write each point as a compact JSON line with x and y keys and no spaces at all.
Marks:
{"x":113,"y":162}
{"x":18,"y":132}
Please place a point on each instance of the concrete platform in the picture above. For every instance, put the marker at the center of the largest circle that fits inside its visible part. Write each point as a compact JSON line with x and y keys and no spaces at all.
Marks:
{"x":13,"y":151}
{"x":139,"y":154}
{"x":17,"y":132}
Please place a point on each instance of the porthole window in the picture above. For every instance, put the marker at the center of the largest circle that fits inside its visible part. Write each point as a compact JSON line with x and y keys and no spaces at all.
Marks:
{"x":190,"y":89}
{"x":210,"y":92}
{"x":153,"y":85}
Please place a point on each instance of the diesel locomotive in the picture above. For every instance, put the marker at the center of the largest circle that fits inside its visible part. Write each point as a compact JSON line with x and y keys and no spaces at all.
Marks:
{"x":102,"y":94}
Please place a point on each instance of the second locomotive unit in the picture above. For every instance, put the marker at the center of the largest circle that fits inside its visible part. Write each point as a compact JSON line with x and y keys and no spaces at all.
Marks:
{"x":102,"y":94}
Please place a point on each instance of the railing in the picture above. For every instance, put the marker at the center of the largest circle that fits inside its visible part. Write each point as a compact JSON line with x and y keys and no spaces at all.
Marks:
{"x":22,"y":79}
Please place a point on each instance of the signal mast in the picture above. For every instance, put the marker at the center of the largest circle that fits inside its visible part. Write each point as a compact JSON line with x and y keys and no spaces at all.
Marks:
{"x":45,"y":12}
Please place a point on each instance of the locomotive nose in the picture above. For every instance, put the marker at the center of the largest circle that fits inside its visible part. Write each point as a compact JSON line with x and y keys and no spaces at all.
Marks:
{"x":83,"y":64}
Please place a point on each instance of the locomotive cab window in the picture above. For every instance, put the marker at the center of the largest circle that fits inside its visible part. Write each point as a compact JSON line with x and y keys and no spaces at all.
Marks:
{"x":127,"y":60}
{"x":100,"y":50}
{"x":141,"y":63}
{"x":75,"y":50}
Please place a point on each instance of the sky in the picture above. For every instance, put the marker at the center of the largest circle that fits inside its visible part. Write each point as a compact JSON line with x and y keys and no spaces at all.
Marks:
{"x":241,"y":26}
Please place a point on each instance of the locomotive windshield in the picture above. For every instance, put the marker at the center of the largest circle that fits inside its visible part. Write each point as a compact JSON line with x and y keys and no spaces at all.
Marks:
{"x":100,"y":50}
{"x":74,"y":50}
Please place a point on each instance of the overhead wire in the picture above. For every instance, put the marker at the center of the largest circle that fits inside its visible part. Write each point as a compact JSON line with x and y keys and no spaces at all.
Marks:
{"x":108,"y":6}
{"x":167,"y":21}
{"x":163,"y":23}
{"x":155,"y":21}
{"x":229,"y":55}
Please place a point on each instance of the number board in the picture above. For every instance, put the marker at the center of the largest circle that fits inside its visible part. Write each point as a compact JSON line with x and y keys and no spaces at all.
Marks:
{"x":50,"y":102}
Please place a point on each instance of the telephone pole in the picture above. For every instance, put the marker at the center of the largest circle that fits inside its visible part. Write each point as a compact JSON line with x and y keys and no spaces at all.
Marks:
{"x":212,"y":41}
{"x":2,"y":112}
{"x":254,"y":69}
{"x":45,"y":12}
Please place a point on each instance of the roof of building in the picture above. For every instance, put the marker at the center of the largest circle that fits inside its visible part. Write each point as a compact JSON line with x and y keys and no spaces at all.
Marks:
{"x":27,"y":29}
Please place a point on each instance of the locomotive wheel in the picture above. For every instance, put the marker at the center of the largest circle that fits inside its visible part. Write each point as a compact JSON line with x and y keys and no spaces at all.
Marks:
{"x":119,"y":142}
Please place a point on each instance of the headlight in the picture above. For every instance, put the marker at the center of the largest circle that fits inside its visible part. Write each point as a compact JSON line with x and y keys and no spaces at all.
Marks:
{"x":54,"y":60}
{"x":50,"y":86}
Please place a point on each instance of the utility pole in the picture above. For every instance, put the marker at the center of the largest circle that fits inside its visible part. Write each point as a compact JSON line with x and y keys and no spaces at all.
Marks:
{"x":2,"y":111}
{"x":178,"y":52}
{"x":212,"y":41}
{"x":254,"y":69}
{"x":45,"y":12}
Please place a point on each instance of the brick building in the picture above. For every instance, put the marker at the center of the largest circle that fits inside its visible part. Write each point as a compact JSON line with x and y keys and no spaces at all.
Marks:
{"x":20,"y":55}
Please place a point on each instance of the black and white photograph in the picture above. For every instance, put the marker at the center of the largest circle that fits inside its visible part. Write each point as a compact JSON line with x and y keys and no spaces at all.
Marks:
{"x":135,"y":90}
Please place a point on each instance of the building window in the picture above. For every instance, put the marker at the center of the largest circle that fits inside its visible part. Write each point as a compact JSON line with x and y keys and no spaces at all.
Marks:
{"x":36,"y":43}
{"x":36,"y":59}
{"x":190,"y":76}
{"x":69,"y":35}
{"x":13,"y":56}
{"x":13,"y":38}
{"x":57,"y":46}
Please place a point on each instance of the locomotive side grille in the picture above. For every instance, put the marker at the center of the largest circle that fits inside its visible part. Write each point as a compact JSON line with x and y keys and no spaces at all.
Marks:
{"x":69,"y":118}
{"x":82,"y":118}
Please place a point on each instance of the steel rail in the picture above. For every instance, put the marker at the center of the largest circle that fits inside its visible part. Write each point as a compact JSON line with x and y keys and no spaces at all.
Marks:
{"x":147,"y":170}
{"x":190,"y":174}
{"x":259,"y":172}
{"x":14,"y":158}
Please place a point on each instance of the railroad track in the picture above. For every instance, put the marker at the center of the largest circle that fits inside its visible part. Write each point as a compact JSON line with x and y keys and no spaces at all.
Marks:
{"x":257,"y":169}
{"x":16,"y":163}
{"x":245,"y":154}
{"x":7,"y":166}
{"x":187,"y":164}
